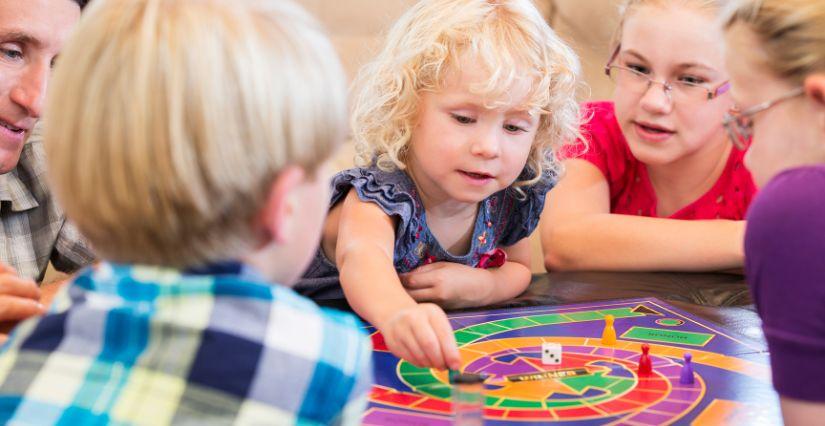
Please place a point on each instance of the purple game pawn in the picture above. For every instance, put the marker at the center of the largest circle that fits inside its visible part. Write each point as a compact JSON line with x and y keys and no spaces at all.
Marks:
{"x":686,"y":378}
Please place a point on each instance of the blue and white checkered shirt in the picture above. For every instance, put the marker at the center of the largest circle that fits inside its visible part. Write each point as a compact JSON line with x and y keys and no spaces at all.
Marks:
{"x":130,"y":344}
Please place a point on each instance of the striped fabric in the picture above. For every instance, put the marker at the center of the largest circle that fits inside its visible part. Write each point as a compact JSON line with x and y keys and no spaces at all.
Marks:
{"x":144,"y":345}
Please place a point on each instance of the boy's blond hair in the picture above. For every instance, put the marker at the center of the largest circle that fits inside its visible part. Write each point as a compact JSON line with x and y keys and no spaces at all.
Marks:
{"x":507,"y":38}
{"x":169,"y":120}
{"x":791,"y":32}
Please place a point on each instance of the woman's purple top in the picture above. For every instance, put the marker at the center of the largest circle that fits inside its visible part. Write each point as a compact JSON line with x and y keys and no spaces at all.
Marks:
{"x":785,"y":267}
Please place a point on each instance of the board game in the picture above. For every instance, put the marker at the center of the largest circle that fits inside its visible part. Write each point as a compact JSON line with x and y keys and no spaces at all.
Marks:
{"x":595,"y":383}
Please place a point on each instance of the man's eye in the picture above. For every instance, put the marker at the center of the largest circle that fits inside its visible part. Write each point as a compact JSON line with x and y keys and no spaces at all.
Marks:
{"x":11,"y":54}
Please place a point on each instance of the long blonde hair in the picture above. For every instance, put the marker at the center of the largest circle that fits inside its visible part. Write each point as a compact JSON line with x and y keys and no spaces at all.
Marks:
{"x":171,"y":119}
{"x":508,"y":38}
{"x":791,"y":32}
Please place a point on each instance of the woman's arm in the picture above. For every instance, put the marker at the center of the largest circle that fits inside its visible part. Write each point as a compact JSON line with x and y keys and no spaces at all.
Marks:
{"x":578,"y":232}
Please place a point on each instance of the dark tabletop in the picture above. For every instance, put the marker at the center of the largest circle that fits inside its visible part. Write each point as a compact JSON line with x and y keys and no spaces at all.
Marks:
{"x":722,"y":298}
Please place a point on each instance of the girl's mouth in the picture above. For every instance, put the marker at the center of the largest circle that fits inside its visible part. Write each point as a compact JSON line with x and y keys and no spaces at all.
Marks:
{"x":478,"y":178}
{"x":652,"y":132}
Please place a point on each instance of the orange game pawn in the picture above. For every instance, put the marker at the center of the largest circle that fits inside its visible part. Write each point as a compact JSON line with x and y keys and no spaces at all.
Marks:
{"x":609,"y":333}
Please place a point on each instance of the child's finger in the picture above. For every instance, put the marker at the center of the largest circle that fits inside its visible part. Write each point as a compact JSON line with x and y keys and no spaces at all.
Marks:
{"x":414,"y":280}
{"x":449,"y":348}
{"x":428,"y":343}
{"x":416,"y":355}
{"x":400,"y":350}
{"x":421,"y":294}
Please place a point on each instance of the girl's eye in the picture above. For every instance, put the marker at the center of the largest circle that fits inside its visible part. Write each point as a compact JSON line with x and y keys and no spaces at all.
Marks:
{"x":462,"y":119}
{"x":641,"y":69}
{"x":512,"y":128}
{"x":690,"y":79}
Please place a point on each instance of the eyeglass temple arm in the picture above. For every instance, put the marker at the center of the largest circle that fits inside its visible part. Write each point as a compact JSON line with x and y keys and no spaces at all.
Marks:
{"x":719,"y":90}
{"x":612,"y":58}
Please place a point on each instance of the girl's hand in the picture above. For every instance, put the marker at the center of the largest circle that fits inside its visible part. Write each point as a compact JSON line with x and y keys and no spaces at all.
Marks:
{"x":450,"y":285}
{"x":422,"y":335}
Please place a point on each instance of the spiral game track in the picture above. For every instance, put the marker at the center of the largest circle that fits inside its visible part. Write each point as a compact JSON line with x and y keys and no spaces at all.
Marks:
{"x":595,"y":384}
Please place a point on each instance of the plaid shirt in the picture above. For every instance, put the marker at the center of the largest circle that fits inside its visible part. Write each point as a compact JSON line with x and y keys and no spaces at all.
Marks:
{"x":128,"y":345}
{"x":33,"y":230}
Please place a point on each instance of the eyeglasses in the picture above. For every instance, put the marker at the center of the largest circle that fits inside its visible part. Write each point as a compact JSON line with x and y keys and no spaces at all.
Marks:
{"x":683,"y":92}
{"x":739,"y":124}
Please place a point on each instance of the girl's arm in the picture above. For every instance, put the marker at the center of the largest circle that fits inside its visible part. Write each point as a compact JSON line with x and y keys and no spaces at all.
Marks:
{"x":453,"y":285}
{"x":579,"y":232}
{"x":419,"y":333}
{"x":797,"y":412}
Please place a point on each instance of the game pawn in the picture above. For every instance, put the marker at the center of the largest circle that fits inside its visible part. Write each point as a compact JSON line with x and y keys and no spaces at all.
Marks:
{"x":686,"y":378}
{"x":609,"y":333}
{"x":468,"y":398}
{"x":645,"y":364}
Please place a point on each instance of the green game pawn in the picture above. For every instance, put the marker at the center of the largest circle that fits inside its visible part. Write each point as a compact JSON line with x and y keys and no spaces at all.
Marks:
{"x":609,"y":333}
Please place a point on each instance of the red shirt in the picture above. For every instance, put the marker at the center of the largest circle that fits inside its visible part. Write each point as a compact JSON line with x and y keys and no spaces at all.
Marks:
{"x":630,"y":189}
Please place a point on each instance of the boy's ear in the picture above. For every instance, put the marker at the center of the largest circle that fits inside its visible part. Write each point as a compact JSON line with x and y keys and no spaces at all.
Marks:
{"x":279,"y":208}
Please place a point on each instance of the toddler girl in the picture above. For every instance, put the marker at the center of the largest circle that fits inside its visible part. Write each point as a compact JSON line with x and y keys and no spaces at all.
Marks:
{"x":456,"y":126}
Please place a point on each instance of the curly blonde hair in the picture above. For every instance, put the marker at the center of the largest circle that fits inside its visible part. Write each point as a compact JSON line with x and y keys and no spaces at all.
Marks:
{"x":508,"y":38}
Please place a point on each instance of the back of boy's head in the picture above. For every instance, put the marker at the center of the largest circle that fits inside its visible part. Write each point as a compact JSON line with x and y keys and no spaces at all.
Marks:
{"x":169,"y":120}
{"x":507,"y":38}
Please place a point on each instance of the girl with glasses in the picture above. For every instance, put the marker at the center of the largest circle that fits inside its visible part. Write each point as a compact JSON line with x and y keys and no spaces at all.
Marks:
{"x":659,"y":186}
{"x":776,"y":57}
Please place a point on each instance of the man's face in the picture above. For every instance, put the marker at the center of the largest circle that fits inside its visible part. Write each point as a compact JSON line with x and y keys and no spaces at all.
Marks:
{"x":32,"y":32}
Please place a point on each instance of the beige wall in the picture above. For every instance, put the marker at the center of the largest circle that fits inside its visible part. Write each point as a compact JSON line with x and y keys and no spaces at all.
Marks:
{"x":357,"y":28}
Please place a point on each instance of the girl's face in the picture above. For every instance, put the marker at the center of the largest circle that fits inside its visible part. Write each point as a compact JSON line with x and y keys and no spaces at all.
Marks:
{"x":463,"y":150}
{"x":786,"y":135}
{"x":677,"y":44}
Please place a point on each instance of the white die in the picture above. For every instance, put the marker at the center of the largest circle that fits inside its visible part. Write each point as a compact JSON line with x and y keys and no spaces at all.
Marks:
{"x":550,"y":353}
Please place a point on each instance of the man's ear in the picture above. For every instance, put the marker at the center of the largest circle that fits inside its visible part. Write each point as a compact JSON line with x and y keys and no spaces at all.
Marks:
{"x":280,"y":205}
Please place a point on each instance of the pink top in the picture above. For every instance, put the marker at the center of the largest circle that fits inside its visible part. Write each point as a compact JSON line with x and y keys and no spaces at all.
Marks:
{"x":630,"y":189}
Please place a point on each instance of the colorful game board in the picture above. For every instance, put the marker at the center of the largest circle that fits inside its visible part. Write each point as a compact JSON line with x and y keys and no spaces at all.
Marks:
{"x":595,"y":384}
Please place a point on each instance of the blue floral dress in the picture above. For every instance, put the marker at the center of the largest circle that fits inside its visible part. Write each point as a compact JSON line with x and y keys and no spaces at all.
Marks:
{"x":503,"y":219}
